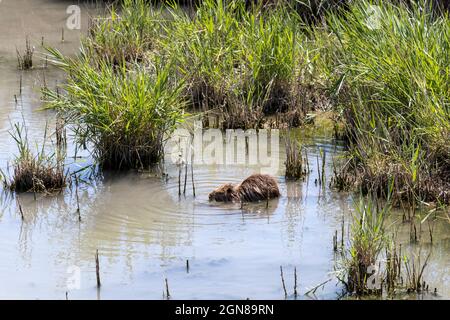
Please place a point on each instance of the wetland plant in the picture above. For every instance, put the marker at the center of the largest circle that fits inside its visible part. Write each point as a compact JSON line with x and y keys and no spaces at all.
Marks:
{"x":393,"y":84}
{"x":387,"y":79}
{"x":25,"y":60}
{"x":342,"y":179}
{"x":127,"y":34}
{"x":242,"y":62}
{"x":35,"y":172}
{"x":366,"y":243}
{"x":373,"y":262}
{"x":125,"y":112}
{"x":296,"y":164}
{"x":415,"y":267}
{"x":97,"y":269}
{"x":405,"y":273}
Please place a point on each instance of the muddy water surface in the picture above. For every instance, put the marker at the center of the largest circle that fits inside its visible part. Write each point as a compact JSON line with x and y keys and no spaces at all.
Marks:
{"x":144,"y":231}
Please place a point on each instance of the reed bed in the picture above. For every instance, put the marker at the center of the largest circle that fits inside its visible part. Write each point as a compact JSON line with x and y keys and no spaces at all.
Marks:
{"x":240,"y":61}
{"x":393,"y":84}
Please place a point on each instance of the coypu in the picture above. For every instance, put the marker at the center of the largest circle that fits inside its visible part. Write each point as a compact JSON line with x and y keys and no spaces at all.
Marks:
{"x":256,"y":187}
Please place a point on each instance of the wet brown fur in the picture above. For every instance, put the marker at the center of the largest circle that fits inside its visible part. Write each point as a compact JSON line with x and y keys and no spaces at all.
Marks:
{"x":255,"y":188}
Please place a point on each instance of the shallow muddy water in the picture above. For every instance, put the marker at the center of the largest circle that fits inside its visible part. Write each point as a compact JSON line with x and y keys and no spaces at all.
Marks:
{"x":145,"y":232}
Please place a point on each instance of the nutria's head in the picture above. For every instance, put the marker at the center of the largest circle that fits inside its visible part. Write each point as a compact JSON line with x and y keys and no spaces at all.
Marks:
{"x":224,"y":193}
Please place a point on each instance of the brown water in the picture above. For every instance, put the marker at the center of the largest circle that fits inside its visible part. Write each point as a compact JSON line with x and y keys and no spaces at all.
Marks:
{"x":144,"y":231}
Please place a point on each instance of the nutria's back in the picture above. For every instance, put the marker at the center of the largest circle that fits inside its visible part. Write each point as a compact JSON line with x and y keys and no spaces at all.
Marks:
{"x":258,"y":187}
{"x":255,"y":188}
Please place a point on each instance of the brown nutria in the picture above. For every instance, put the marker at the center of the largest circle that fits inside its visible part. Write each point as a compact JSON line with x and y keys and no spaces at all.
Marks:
{"x":254,"y":188}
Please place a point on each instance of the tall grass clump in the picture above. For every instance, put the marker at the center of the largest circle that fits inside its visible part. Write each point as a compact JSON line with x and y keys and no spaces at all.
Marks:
{"x":124,"y":112}
{"x":373,"y":263}
{"x":245,"y":60}
{"x":25,"y":60}
{"x":367,"y":241}
{"x":35,"y":172}
{"x":393,"y":81}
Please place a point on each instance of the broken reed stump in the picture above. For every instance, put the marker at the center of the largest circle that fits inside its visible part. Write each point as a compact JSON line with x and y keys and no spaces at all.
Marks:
{"x":192,"y":173}
{"x":167,"y":290}
{"x":97,"y":269}
{"x":295,"y":282}
{"x":282,"y":281}
{"x":318,"y":170}
{"x":77,"y":198}
{"x":22,"y":216}
{"x":186,"y":165}
{"x":430,"y":230}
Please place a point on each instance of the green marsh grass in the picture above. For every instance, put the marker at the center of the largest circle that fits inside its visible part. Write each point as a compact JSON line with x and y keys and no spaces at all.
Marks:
{"x":241,"y":61}
{"x":40,"y":171}
{"x":244,"y":61}
{"x":393,"y":82}
{"x":124,"y":112}
{"x":374,"y":263}
{"x":127,"y":33}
